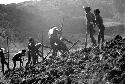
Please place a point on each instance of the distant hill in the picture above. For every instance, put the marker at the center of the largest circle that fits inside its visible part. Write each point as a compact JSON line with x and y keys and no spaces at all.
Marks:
{"x":30,"y":18}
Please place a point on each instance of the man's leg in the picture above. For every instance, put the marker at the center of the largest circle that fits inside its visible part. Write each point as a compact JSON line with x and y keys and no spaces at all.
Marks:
{"x":64,"y":48}
{"x":29,"y":59}
{"x":92,"y":37}
{"x":53,"y":47}
{"x":7,"y":64}
{"x":102,"y":28}
{"x":14,"y":62}
{"x":33,"y":59}
{"x":54,"y":53}
{"x":102,"y":36}
{"x":21,"y":63}
{"x":99,"y":37}
{"x":37,"y":59}
{"x":2,"y":67}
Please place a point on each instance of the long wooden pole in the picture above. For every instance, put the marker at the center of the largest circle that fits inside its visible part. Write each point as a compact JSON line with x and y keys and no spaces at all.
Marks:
{"x":86,"y":39}
{"x":8,"y":48}
{"x":62,"y":24}
{"x":86,"y":35}
{"x":42,"y":43}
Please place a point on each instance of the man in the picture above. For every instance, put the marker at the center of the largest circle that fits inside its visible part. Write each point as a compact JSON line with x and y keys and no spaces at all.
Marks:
{"x":62,"y":46}
{"x":3,"y":61}
{"x":99,"y":23}
{"x":18,"y":57}
{"x":29,"y":59}
{"x":39,"y":53}
{"x":56,"y":41}
{"x":33,"y":51}
{"x":90,"y":24}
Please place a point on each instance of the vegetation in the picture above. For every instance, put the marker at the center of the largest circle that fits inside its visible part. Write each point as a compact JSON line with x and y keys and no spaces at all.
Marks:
{"x":85,"y":66}
{"x":92,"y":66}
{"x":19,"y":21}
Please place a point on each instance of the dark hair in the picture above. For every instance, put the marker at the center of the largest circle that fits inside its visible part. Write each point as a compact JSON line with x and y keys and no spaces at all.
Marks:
{"x":97,"y":11}
{"x":31,"y":39}
{"x":87,"y":8}
{"x":24,"y":50}
{"x":118,"y":37}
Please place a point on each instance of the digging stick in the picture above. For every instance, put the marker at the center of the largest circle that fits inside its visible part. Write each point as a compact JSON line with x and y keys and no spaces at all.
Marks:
{"x":71,"y":46}
{"x":8,"y":48}
{"x":86,"y":39}
{"x":42,"y":43}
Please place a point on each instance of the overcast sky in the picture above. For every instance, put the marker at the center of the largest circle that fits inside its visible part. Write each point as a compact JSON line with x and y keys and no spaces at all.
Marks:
{"x":11,"y":1}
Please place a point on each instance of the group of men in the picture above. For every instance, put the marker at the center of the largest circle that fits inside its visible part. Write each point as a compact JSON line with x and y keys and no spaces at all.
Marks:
{"x":94,"y":20}
{"x":33,"y":53}
{"x":17,"y":57}
{"x":57,"y":41}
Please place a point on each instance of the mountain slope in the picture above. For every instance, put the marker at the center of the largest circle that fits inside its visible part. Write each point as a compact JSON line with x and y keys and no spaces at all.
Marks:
{"x":31,"y":18}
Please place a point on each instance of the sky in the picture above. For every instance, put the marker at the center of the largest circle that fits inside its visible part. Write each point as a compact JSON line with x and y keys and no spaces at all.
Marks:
{"x":11,"y":1}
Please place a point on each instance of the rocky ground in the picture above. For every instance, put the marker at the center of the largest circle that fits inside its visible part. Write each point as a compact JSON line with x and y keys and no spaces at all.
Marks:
{"x":90,"y":66}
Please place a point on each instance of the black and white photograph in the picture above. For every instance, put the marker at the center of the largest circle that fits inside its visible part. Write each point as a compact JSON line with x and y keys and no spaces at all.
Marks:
{"x":62,"y":41}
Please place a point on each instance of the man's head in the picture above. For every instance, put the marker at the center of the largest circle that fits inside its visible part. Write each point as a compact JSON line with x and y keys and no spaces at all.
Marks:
{"x":118,"y":37}
{"x":2,"y":49}
{"x":96,"y":11}
{"x":31,"y":40}
{"x":23,"y":51}
{"x":38,"y":45}
{"x":87,"y":9}
{"x":58,"y":29}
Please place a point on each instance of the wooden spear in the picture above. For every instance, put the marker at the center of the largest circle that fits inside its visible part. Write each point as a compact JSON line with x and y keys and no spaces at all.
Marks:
{"x":8,"y":48}
{"x":42,"y":43}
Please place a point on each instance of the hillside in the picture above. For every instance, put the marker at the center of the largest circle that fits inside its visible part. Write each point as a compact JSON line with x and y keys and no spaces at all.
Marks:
{"x":92,"y":66}
{"x":30,"y":18}
{"x":85,"y":66}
